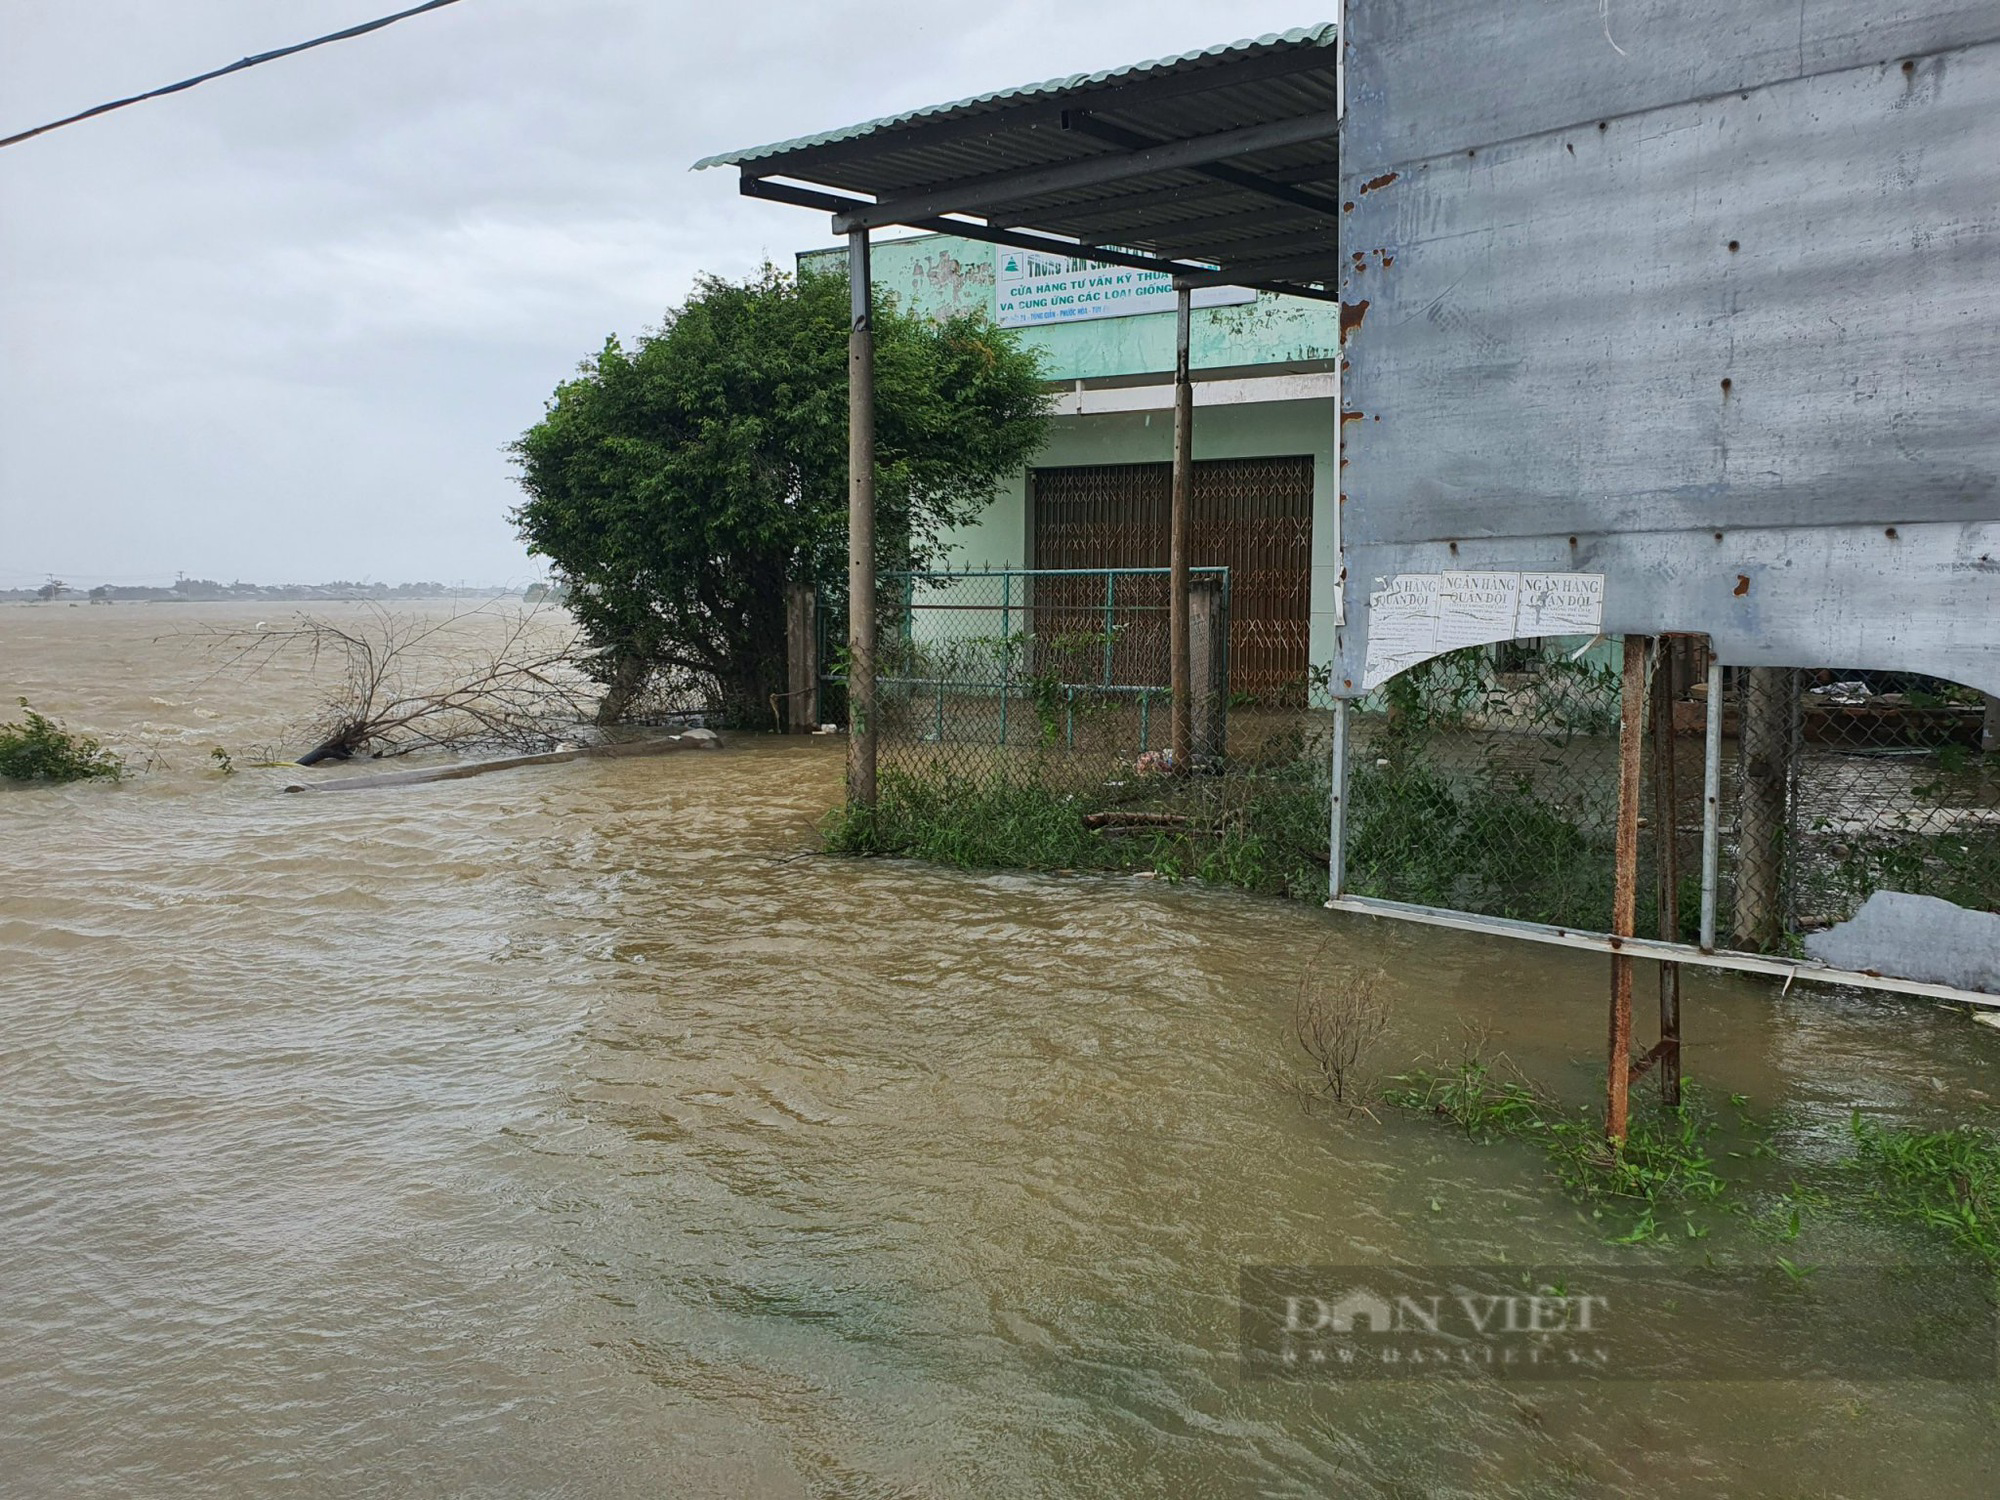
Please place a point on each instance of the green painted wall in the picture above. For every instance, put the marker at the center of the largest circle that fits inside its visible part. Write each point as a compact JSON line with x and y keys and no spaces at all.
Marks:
{"x":939,"y":275}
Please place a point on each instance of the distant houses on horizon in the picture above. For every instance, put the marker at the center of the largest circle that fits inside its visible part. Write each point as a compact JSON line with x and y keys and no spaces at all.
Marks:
{"x":208,"y":590}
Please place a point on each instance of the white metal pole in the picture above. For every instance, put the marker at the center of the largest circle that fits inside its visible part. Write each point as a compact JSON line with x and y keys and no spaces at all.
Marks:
{"x":1711,"y":802}
{"x":1336,"y":834}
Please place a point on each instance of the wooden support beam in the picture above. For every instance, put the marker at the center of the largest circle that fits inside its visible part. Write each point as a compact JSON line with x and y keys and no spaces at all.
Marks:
{"x":1208,"y":648}
{"x":1625,"y":889}
{"x":1180,"y":538}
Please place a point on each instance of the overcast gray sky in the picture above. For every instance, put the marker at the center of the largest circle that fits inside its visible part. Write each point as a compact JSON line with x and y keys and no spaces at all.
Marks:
{"x":280,"y":327}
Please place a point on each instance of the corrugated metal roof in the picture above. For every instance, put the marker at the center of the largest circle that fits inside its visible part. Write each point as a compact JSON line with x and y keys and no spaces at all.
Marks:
{"x":1227,"y":158}
{"x":1320,"y":35}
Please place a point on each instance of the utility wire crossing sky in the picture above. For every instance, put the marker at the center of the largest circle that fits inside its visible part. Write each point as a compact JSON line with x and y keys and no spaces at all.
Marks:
{"x":235,"y":67}
{"x":284,"y":329}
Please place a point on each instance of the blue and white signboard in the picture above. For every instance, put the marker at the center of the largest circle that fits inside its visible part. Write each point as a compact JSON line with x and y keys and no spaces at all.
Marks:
{"x":1035,"y":289}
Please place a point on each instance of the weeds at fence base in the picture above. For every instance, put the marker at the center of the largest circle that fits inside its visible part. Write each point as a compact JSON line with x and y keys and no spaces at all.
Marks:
{"x":1261,"y":829}
{"x":996,"y":822}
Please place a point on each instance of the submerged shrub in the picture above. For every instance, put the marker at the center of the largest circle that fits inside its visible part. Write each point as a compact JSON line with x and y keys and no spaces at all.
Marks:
{"x":1338,"y":1019}
{"x":39,"y":749}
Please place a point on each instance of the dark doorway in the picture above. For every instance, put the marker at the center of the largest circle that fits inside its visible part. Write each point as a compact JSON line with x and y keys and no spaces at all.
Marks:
{"x":1251,"y":515}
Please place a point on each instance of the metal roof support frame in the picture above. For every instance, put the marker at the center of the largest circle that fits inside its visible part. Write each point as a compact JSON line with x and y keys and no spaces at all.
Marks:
{"x":860,"y":523}
{"x":1001,"y":188}
{"x":1191,"y":164}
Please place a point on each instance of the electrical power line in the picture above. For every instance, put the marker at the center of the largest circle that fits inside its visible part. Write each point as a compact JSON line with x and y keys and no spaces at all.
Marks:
{"x":235,"y":67}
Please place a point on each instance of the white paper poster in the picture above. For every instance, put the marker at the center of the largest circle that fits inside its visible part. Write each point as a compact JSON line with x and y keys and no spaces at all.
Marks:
{"x":1415,"y":616}
{"x":1476,"y":609}
{"x":1402,"y":625}
{"x":1561,"y":604}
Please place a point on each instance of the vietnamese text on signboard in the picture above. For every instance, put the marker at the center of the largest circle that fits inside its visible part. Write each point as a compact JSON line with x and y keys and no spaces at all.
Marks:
{"x":1034,"y":288}
{"x":1415,"y":616}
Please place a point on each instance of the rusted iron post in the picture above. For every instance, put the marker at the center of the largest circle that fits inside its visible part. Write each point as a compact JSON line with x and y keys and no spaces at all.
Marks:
{"x":1666,"y":861}
{"x":860,"y":525}
{"x":1180,"y":532}
{"x":1625,"y":887}
{"x":801,"y":659}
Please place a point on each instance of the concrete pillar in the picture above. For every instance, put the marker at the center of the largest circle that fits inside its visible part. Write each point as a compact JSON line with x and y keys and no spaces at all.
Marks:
{"x":1208,"y":656}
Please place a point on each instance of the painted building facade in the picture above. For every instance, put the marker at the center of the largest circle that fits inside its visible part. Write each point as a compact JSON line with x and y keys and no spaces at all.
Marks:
{"x":1096,"y":495}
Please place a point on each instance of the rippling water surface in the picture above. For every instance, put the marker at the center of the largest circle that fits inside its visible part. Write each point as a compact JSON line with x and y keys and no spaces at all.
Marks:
{"x":580,"y":1131}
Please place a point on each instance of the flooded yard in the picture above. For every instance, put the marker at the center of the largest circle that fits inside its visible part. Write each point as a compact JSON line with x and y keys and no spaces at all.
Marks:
{"x":582,"y":1130}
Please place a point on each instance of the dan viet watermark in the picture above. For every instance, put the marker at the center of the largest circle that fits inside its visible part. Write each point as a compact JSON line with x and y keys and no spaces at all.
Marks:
{"x":1933,"y":1322}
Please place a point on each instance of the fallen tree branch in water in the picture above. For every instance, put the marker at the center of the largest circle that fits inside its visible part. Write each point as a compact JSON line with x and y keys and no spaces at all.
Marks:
{"x":480,"y":678}
{"x":694,"y":739}
{"x":1135,"y":820}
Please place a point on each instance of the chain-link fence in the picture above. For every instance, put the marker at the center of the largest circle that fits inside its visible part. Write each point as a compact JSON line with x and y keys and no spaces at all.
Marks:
{"x":1024,"y":719}
{"x":1890,"y":789}
{"x":1486,"y":781}
{"x":1483,"y":781}
{"x":1069,"y":668}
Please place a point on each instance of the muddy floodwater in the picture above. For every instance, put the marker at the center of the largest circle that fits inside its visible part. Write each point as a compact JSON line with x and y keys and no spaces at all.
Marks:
{"x":581,"y":1131}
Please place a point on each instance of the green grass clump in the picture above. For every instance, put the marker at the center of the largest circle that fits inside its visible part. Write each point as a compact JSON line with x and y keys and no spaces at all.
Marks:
{"x":986,"y":823}
{"x":1945,"y":1181}
{"x":39,"y":749}
{"x":1261,"y":829}
{"x":1473,"y":1098}
{"x":1664,"y":1164}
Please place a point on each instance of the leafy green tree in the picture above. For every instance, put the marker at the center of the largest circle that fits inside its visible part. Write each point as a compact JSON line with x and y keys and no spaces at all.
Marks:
{"x":677,"y":487}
